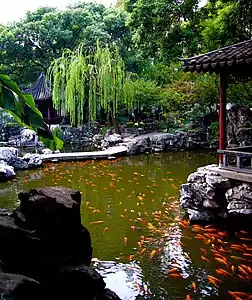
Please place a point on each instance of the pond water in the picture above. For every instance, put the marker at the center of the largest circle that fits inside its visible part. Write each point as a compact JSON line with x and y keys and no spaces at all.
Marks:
{"x":142,"y":243}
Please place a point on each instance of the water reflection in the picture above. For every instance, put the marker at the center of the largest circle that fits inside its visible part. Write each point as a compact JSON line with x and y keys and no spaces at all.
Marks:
{"x":124,"y":279}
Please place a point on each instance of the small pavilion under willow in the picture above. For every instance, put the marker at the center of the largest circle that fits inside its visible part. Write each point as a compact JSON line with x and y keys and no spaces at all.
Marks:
{"x":42,"y":94}
{"x":232,"y":62}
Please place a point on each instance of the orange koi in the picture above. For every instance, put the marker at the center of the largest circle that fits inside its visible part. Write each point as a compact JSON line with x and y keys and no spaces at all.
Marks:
{"x":224,"y":234}
{"x":242,"y":270}
{"x":143,"y":251}
{"x":247,"y":254}
{"x":238,"y":258}
{"x":194,"y":286}
{"x":241,"y":294}
{"x":188,"y":297}
{"x":105,"y":229}
{"x":152,"y":253}
{"x":246,"y":239}
{"x":204,"y":258}
{"x":172,"y":270}
{"x":175,"y":275}
{"x":223,"y":272}
{"x":214,"y":278}
{"x":221,"y":261}
{"x":131,"y":257}
{"x":96,"y":222}
{"x":212,"y":282}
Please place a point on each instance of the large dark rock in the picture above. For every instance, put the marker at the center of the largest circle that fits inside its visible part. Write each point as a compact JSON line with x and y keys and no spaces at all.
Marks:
{"x":44,"y":239}
{"x":19,"y":287}
{"x":46,"y":229}
{"x":78,"y":282}
{"x":53,"y":208}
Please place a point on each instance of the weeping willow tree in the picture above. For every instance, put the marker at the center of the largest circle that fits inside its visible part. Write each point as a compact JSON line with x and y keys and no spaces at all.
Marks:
{"x":97,"y":78}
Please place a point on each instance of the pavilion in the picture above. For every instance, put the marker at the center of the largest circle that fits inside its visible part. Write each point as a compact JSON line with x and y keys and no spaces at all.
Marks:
{"x":231,"y":62}
{"x":42,"y":94}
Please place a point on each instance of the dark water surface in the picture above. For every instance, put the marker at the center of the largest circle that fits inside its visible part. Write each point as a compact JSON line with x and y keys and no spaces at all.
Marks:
{"x":141,"y":243}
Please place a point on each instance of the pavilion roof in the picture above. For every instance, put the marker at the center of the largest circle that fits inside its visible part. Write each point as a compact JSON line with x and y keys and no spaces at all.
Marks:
{"x":234,"y":59}
{"x":41,"y":90}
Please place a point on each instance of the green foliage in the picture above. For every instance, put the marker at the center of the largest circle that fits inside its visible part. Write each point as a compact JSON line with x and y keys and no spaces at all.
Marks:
{"x":97,"y":77}
{"x":214,"y":129}
{"x":23,"y":110}
{"x":29,"y":46}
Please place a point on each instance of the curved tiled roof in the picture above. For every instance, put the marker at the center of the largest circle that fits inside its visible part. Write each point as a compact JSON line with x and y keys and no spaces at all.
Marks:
{"x":234,"y":58}
{"x":41,"y":90}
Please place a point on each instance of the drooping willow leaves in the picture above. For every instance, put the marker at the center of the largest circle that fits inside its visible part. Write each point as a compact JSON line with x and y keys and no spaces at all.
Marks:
{"x":96,"y":76}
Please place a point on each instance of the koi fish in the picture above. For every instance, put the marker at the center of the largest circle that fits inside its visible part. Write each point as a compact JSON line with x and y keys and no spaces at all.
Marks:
{"x":242,"y":271}
{"x":238,"y":258}
{"x":188,"y":297}
{"x":125,"y":240}
{"x":131,"y":257}
{"x":96,"y":222}
{"x":239,"y":294}
{"x":143,"y":251}
{"x":246,"y":239}
{"x":223,"y":272}
{"x":105,"y":229}
{"x":204,"y":258}
{"x":152,"y":253}
{"x":221,"y":261}
{"x":214,"y":278}
{"x":175,"y":275}
{"x":194,"y":286}
{"x":172,"y":270}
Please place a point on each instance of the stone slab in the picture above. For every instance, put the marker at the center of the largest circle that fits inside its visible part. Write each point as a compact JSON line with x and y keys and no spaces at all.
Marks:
{"x":106,"y":154}
{"x":233,"y":174}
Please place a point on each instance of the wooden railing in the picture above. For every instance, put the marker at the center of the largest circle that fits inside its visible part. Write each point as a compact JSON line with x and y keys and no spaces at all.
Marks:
{"x":237,"y":159}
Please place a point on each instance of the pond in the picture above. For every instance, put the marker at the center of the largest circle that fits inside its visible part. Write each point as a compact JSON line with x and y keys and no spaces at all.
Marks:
{"x":142,"y":243}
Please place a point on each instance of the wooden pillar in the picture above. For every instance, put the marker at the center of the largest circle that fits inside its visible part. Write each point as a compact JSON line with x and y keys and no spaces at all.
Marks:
{"x":222,"y":113}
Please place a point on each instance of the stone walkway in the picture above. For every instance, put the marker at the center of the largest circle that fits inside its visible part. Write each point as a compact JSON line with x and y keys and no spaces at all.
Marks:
{"x":106,"y":154}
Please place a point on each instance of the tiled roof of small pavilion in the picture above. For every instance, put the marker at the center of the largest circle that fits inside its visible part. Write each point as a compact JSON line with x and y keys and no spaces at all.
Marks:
{"x":41,"y":89}
{"x":235,"y":58}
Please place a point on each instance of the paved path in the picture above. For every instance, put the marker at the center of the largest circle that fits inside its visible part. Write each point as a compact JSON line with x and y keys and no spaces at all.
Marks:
{"x":106,"y":154}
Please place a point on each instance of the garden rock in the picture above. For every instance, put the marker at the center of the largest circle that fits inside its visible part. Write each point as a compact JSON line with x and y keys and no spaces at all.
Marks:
{"x":44,"y":239}
{"x":29,"y":138}
{"x":6,"y":172}
{"x":113,"y":139}
{"x":203,"y":196}
{"x":239,"y":199}
{"x":8,"y":154}
{"x":18,"y":287}
{"x":47,"y":151}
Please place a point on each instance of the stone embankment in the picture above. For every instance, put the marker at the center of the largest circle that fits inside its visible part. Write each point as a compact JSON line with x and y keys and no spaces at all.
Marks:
{"x":10,"y":161}
{"x":152,"y":142}
{"x":45,"y":251}
{"x":208,"y":196}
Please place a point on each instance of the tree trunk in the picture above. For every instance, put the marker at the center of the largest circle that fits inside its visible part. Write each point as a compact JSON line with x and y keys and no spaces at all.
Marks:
{"x":114,"y":120}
